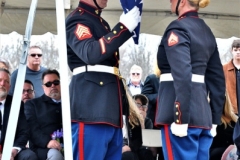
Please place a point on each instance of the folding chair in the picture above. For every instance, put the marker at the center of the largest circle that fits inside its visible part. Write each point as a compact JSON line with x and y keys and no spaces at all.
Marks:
{"x":151,"y":138}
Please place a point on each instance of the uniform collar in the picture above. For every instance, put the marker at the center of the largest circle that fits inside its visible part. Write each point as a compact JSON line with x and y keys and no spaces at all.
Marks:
{"x":192,"y":13}
{"x":92,"y":9}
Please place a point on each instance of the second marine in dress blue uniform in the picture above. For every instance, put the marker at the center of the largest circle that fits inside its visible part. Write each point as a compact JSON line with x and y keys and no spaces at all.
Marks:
{"x":190,"y":72}
{"x":97,"y":97}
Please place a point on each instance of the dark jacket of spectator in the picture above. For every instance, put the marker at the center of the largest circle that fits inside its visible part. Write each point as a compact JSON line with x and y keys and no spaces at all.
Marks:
{"x":221,"y":141}
{"x":21,"y":136}
{"x":150,"y":89}
{"x":44,"y":116}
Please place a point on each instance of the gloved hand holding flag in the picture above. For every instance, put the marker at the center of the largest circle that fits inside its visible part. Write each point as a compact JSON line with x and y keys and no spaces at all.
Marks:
{"x":127,"y":5}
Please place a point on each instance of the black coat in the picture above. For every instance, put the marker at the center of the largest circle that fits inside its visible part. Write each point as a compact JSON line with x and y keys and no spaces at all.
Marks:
{"x":135,"y":143}
{"x":189,"y":47}
{"x":22,"y":131}
{"x":150,"y":89}
{"x":135,"y":137}
{"x":95,"y":97}
{"x":224,"y":137}
{"x":236,"y":135}
{"x":44,"y":116}
{"x":221,"y":141}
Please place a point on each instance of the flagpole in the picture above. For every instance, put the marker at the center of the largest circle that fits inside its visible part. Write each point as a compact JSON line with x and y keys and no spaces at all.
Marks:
{"x":62,"y":51}
{"x":15,"y":107}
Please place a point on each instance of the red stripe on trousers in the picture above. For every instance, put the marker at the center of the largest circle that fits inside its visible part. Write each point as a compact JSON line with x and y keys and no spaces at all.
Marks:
{"x":80,"y":141}
{"x":168,"y":143}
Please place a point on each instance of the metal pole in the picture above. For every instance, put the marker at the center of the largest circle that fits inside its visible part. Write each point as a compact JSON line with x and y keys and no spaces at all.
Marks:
{"x":62,"y":51}
{"x":15,"y":107}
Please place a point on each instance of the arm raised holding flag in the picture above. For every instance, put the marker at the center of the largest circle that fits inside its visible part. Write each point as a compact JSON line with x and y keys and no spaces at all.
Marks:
{"x":97,"y":95}
{"x":128,"y":5}
{"x":130,"y":19}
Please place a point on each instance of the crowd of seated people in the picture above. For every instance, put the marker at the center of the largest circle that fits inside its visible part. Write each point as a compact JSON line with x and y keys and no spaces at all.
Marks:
{"x":141,"y":113}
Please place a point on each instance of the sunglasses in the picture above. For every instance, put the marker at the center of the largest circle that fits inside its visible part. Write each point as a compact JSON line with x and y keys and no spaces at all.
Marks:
{"x":29,"y":91}
{"x":135,"y":74}
{"x":34,"y":55}
{"x":55,"y":83}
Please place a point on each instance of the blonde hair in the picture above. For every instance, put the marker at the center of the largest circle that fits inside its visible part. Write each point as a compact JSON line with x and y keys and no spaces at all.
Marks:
{"x":199,"y":3}
{"x":134,"y":114}
{"x":228,"y":114}
{"x":156,"y":70}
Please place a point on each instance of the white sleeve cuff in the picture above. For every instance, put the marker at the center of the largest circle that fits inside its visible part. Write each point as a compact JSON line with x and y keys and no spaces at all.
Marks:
{"x":17,"y":148}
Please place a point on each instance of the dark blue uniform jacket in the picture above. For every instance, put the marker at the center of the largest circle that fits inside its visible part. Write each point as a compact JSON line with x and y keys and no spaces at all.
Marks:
{"x":94,"y":97}
{"x":189,"y":47}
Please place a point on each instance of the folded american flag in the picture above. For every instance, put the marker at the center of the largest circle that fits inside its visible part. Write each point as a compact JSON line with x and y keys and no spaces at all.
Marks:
{"x":127,"y":5}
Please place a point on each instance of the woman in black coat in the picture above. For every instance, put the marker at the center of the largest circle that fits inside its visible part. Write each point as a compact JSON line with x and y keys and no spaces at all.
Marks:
{"x":224,"y":137}
{"x":132,"y":135}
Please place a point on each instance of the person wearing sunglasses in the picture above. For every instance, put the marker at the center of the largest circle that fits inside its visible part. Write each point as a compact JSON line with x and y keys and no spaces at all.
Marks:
{"x":135,"y":84}
{"x":44,"y":117}
{"x":34,"y":71}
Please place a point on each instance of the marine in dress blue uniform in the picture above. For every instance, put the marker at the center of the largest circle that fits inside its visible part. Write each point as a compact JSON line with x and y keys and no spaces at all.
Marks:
{"x":97,"y":95}
{"x":191,"y":71}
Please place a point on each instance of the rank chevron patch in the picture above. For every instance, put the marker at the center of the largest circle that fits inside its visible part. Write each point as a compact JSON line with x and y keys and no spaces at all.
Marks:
{"x":82,"y":32}
{"x":173,"y":39}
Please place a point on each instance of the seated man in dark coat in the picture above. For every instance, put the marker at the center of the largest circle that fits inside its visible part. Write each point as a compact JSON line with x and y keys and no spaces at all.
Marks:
{"x":19,"y":151}
{"x":44,"y":116}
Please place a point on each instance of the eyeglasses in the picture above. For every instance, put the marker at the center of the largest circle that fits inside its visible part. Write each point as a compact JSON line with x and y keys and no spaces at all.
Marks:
{"x":49,"y":84}
{"x":34,"y":55}
{"x":29,"y":91}
{"x":135,"y":74}
{"x":140,"y":105}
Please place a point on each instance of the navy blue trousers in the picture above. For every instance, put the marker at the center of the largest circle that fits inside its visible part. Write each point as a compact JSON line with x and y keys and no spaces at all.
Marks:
{"x":96,"y":141}
{"x":194,"y":146}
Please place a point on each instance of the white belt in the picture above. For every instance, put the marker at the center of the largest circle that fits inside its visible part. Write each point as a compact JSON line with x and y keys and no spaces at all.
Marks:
{"x":96,"y":68}
{"x":195,"y":77}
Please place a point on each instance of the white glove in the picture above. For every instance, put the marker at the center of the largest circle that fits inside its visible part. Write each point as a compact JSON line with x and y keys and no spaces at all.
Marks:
{"x":213,"y":131}
{"x":130,"y":19}
{"x":179,"y":130}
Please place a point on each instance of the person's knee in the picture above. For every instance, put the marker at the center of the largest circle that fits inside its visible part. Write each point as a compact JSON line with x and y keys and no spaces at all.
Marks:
{"x":26,"y":154}
{"x":154,"y":151}
{"x":129,"y":155}
{"x":32,"y":156}
{"x":145,"y":154}
{"x":54,"y":154}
